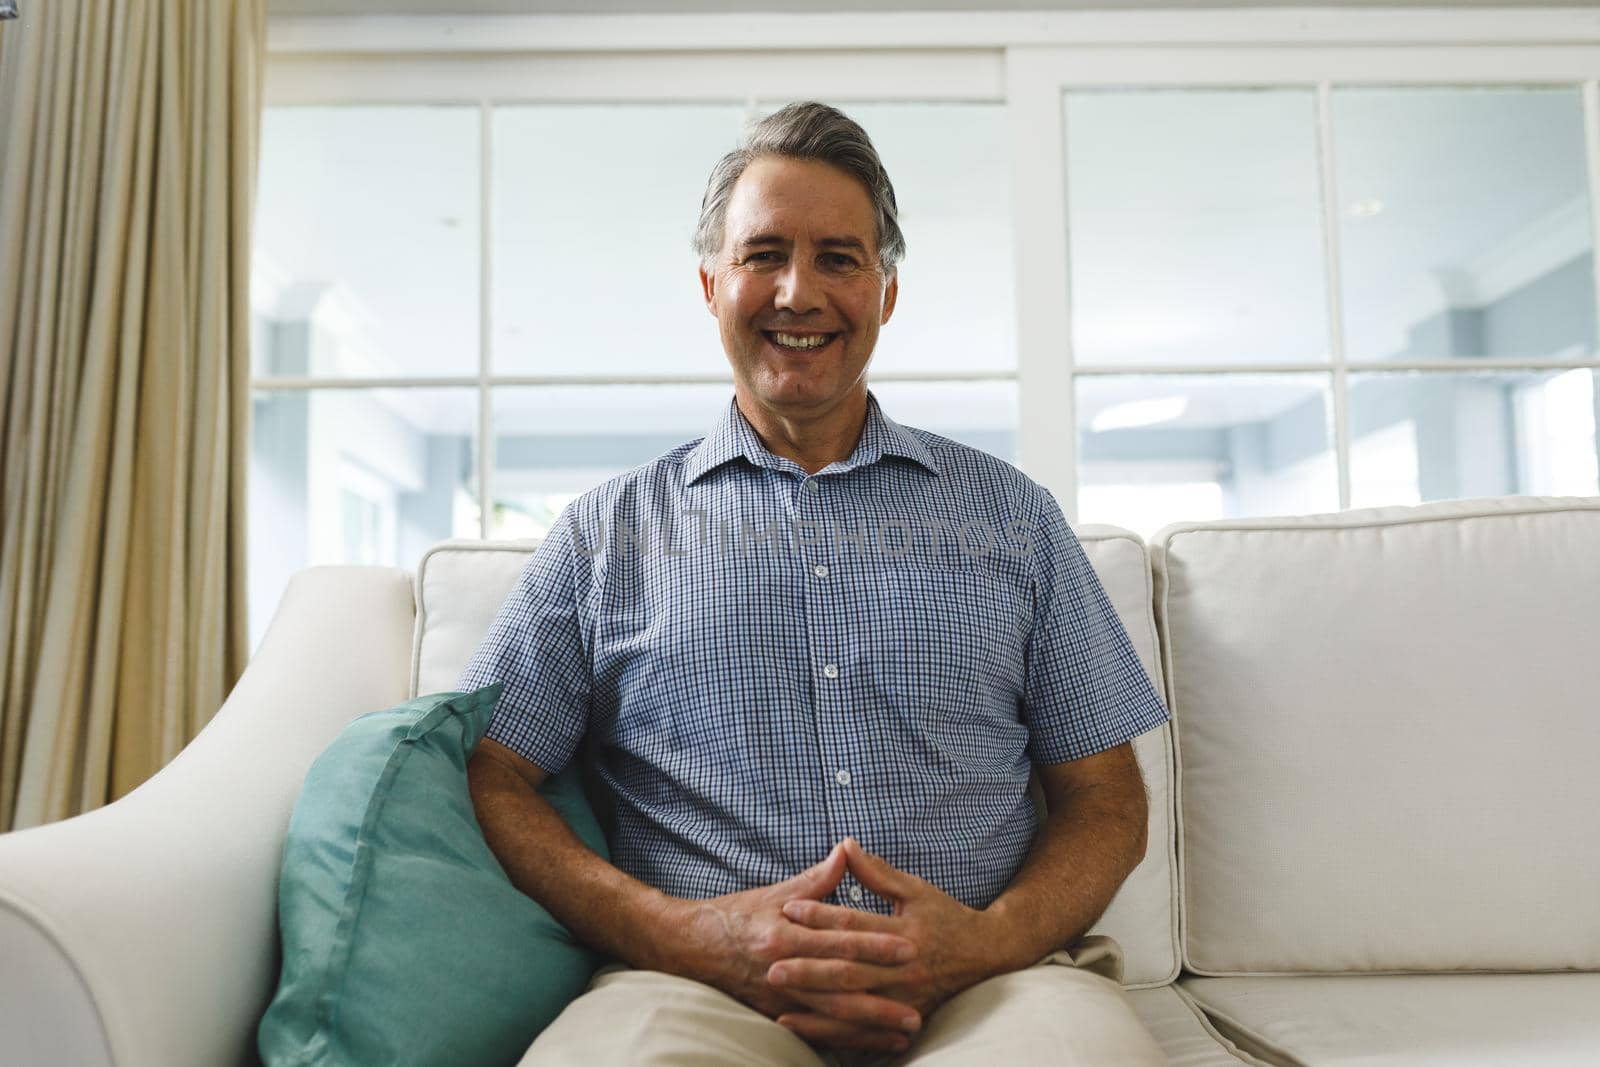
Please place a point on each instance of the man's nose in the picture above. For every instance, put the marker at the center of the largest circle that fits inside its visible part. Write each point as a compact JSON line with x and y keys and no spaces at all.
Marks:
{"x":799,"y":288}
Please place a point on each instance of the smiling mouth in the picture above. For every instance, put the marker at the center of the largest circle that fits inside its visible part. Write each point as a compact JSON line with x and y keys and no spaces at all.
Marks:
{"x":797,"y":342}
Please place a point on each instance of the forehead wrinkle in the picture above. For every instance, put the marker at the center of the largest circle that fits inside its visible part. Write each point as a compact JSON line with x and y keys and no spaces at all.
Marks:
{"x":769,"y":200}
{"x":768,"y":229}
{"x":769,"y":238}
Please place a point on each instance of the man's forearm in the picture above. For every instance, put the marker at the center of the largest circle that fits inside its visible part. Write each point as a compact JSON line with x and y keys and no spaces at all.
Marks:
{"x":1089,"y":844}
{"x":600,"y":905}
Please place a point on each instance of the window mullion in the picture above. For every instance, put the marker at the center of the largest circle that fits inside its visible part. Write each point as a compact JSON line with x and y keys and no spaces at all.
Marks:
{"x":1046,"y":405}
{"x":1330,"y":249}
{"x":485,"y":281}
{"x":1591,"y":137}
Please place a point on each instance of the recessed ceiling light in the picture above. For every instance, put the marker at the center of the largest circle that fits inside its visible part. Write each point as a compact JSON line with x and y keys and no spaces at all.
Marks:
{"x":1363,"y":209}
{"x":1139,"y":413}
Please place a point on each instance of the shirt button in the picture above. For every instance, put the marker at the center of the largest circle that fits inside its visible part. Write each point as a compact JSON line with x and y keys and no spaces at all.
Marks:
{"x":843,"y":777}
{"x":830,"y":671}
{"x":820,"y":570}
{"x":811,"y":485}
{"x":855,"y":892}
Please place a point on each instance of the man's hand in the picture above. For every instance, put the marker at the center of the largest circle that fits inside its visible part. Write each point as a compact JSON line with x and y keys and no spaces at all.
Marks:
{"x":957,"y":947}
{"x":731,"y":942}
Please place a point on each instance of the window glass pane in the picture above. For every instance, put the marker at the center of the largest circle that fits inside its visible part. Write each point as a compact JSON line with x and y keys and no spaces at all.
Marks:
{"x":365,"y":248}
{"x":1464,"y":223}
{"x":1418,"y":437}
{"x":980,"y":414}
{"x":956,"y":308}
{"x":1160,"y":449}
{"x":595,"y":207}
{"x":553,"y":443}
{"x":357,"y":476}
{"x":1194,"y":226}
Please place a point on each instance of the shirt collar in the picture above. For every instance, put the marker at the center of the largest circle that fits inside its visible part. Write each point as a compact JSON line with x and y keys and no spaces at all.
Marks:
{"x":733,"y":437}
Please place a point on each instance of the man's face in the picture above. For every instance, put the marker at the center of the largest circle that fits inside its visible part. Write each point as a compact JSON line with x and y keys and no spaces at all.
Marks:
{"x":796,"y":288}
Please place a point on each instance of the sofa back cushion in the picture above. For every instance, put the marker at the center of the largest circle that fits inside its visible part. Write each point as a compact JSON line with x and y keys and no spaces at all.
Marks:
{"x":1143,"y":916}
{"x":460,"y":585}
{"x":1387,"y":737}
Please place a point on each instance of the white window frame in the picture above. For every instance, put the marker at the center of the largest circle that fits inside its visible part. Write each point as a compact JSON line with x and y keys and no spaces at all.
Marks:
{"x":1037,"y":79}
{"x":1026,"y":61}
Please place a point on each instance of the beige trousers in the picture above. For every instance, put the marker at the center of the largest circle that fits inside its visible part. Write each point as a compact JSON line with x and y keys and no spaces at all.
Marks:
{"x":1067,"y":1010}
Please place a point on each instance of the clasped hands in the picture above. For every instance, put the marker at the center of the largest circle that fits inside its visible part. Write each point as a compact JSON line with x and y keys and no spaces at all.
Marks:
{"x":841,"y":977}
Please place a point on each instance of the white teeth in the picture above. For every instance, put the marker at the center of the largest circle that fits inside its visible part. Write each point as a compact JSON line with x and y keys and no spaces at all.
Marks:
{"x":789,"y":340}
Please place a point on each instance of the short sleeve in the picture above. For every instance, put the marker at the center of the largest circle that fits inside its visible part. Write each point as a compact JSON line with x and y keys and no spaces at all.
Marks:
{"x":1085,"y":690}
{"x":535,"y":648}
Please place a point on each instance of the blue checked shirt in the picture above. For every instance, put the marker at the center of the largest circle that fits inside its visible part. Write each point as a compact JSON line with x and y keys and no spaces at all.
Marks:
{"x":765,"y":662}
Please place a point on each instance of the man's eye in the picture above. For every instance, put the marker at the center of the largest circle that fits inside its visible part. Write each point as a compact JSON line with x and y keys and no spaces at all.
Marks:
{"x":839,"y":261}
{"x":761,"y":257}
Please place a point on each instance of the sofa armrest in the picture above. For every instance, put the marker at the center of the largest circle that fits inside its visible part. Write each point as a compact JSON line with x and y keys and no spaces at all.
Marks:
{"x":144,"y":934}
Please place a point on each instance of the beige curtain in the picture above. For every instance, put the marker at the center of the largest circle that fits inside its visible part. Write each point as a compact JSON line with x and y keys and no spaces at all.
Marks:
{"x":128,"y":134}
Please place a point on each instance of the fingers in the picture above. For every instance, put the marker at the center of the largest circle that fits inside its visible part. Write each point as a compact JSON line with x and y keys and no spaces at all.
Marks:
{"x":820,"y":879}
{"x":851,"y":945}
{"x":820,"y":916}
{"x":824,"y":1030}
{"x":862,"y":1009}
{"x":829,"y":975}
{"x":876,"y":873}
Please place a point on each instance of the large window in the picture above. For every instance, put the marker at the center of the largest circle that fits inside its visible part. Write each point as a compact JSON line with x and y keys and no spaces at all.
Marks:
{"x":1169,"y":282}
{"x":1418,"y":260}
{"x":508,"y":290}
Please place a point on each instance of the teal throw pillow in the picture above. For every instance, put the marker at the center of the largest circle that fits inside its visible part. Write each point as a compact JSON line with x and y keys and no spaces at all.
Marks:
{"x":404,"y":943}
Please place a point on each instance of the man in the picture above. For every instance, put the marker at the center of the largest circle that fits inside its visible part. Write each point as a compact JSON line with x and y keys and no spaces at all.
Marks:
{"x":816,"y":654}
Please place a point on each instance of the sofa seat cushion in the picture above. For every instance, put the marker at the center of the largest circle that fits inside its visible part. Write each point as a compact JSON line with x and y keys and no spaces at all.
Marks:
{"x":1183,"y":1031}
{"x":1446,"y":1020}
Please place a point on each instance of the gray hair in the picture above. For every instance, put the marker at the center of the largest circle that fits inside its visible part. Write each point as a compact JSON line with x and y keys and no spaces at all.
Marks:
{"x":805,"y":131}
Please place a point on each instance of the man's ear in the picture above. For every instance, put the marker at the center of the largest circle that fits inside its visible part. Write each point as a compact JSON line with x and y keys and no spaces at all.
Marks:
{"x":890,"y":293}
{"x":708,"y":288}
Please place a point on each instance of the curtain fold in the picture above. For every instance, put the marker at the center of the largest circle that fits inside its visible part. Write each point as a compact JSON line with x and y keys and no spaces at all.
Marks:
{"x":128,"y":142}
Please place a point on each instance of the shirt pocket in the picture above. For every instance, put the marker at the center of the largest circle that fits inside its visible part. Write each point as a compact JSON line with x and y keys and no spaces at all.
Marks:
{"x":950,"y":654}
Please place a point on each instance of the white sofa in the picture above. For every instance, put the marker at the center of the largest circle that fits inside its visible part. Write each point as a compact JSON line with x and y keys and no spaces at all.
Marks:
{"x":1374,"y":835}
